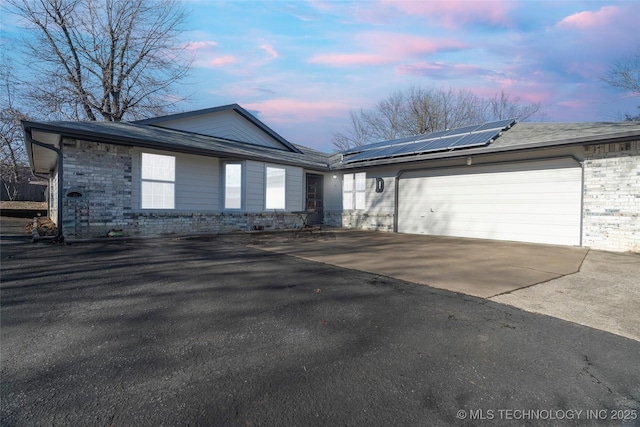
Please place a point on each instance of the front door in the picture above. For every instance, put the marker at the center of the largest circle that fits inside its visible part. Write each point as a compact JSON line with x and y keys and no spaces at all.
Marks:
{"x":314,"y":198}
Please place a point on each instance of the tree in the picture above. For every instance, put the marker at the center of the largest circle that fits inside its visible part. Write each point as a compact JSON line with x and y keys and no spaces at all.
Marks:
{"x":503,"y":107}
{"x":103,"y":59}
{"x":358,"y":133}
{"x":418,"y":110}
{"x":13,"y":157}
{"x":624,"y":74}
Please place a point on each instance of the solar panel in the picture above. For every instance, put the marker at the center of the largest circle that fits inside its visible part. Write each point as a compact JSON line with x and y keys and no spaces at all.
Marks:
{"x":405,"y":149}
{"x":407,"y":139}
{"x":374,"y":145}
{"x":477,"y":138}
{"x":365,"y":155}
{"x":465,"y":137}
{"x":463,"y":130}
{"x":437,"y":134}
{"x":501,"y":124}
{"x":422,"y":144}
{"x":361,"y":148}
{"x":442,"y":143}
{"x":387,"y":151}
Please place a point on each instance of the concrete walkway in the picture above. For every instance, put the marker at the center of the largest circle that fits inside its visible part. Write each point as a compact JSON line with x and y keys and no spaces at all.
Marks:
{"x":605,"y":295}
{"x":593,"y":288}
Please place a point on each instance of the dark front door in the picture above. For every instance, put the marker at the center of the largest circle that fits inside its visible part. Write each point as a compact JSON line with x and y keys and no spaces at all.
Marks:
{"x":314,"y":198}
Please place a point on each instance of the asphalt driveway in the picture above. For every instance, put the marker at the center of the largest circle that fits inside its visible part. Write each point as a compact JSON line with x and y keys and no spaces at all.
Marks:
{"x":207,"y":332}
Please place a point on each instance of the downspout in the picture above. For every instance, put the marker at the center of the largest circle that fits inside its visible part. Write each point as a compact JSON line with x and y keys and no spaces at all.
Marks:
{"x":58,"y":236}
{"x":395,"y":199}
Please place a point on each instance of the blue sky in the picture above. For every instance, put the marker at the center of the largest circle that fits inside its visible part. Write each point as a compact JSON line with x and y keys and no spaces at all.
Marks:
{"x":301,"y":67}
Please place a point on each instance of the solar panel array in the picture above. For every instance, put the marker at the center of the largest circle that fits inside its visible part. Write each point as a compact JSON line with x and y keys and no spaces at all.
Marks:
{"x":466,"y":137}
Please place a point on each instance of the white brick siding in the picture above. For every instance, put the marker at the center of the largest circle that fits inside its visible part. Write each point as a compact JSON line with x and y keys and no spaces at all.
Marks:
{"x":611,"y":198}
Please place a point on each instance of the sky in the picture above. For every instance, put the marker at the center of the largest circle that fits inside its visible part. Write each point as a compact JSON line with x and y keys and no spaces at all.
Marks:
{"x":302,"y":66}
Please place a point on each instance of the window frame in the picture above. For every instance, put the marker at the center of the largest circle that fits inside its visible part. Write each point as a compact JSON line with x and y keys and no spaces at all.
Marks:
{"x":159,"y":181}
{"x":354,"y":191}
{"x":283,"y":196}
{"x":225,"y":198}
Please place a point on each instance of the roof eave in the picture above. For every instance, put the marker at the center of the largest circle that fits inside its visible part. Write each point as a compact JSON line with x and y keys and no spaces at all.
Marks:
{"x":135,"y":142}
{"x":586,"y":140}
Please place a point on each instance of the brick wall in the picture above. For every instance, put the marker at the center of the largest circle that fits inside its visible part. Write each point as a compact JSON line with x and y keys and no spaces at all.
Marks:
{"x":97,"y":200}
{"x":363,"y":221}
{"x":96,"y":188}
{"x":611,"y":198}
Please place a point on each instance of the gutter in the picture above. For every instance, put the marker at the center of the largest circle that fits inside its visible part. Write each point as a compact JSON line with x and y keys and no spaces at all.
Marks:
{"x":58,"y":236}
{"x":129,"y":141}
{"x":448,"y":155}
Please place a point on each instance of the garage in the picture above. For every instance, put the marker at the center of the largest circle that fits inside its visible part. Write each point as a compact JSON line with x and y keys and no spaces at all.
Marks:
{"x":532,"y":201}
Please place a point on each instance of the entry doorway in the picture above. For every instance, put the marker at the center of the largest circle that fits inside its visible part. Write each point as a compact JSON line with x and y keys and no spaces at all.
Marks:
{"x":315,"y":198}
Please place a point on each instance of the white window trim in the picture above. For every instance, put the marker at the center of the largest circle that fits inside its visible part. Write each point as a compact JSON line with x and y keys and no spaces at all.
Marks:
{"x":166,"y":182}
{"x":224,"y":186}
{"x":281,"y":199}
{"x":354,"y":191}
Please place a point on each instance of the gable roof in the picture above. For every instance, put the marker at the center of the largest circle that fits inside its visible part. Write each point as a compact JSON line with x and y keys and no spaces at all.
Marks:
{"x":144,"y":134}
{"x":157,"y":121}
{"x":151,"y":137}
{"x":520,"y":136}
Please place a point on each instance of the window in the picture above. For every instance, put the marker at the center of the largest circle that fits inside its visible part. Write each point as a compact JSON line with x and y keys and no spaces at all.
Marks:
{"x":354,"y":190}
{"x":275,"y":193}
{"x":233,"y":186}
{"x":158,"y":177}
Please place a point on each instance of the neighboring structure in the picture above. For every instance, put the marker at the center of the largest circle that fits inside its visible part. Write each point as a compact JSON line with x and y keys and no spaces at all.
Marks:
{"x":221,"y":170}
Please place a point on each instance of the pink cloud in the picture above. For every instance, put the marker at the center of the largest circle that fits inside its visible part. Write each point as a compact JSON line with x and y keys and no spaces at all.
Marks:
{"x":346,"y":59}
{"x":270,"y":50}
{"x":202,"y":45}
{"x":287,"y":110}
{"x":440,"y":70}
{"x":455,"y":14}
{"x":403,"y":45}
{"x":585,"y":20}
{"x":571,"y":104}
{"x":205,"y":56}
{"x":382,"y":48}
{"x":222,"y":61}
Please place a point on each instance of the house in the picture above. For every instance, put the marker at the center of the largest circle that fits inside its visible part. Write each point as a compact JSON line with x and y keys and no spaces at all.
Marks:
{"x":222,"y":169}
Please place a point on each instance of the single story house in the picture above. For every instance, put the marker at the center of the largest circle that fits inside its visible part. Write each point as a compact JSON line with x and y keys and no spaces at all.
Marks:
{"x":221,"y":169}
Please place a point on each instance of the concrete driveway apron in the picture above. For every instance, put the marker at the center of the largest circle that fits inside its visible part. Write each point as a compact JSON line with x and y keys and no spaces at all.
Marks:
{"x":482,"y":268}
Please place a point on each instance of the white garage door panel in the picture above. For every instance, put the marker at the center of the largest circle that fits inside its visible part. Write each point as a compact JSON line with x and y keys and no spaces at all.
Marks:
{"x":534,"y":202}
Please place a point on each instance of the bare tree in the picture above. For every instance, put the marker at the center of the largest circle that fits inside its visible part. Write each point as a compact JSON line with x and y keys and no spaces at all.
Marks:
{"x":624,"y":74}
{"x":13,"y":157}
{"x":358,"y":133}
{"x":424,"y":110}
{"x":504,"y":107}
{"x":103,"y":59}
{"x":388,"y":120}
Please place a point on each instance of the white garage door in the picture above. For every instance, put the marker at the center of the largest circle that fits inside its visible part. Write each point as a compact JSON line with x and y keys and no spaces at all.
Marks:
{"x":527,"y":202}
